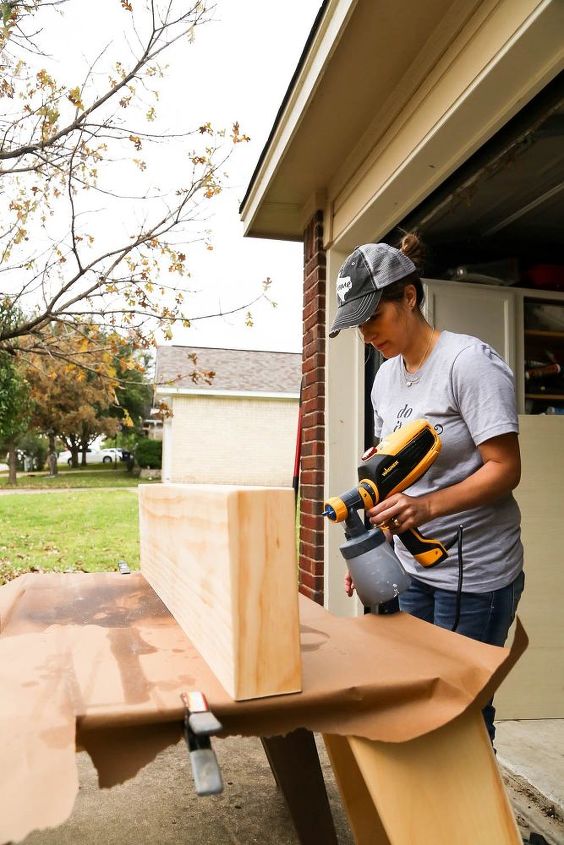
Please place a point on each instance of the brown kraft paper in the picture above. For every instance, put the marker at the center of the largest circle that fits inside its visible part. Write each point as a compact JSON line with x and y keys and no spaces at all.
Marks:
{"x":97,"y":660}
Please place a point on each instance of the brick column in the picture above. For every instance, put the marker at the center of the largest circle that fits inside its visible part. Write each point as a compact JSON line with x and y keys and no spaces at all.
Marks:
{"x":313,"y":413}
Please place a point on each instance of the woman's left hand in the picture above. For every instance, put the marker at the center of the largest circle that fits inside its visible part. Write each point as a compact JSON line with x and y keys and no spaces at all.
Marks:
{"x":498,"y":475}
{"x":401,"y":512}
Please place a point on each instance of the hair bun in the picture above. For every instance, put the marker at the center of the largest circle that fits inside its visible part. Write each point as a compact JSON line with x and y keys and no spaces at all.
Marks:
{"x":412,"y":246}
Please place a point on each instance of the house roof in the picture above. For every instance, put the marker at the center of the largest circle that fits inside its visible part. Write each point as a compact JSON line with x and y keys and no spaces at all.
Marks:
{"x":358,"y":70}
{"x":236,"y":370}
{"x":383,"y":108}
{"x":286,"y":99}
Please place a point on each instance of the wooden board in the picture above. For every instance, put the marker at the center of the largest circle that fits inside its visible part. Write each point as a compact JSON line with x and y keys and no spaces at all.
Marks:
{"x":223,"y":560}
{"x":362,"y":813}
{"x":443,"y":787}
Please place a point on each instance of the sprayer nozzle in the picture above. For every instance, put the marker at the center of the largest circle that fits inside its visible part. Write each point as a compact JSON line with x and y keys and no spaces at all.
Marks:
{"x":329,"y":512}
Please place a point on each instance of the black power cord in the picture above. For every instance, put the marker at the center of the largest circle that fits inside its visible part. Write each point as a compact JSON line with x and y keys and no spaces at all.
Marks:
{"x":460,"y":577}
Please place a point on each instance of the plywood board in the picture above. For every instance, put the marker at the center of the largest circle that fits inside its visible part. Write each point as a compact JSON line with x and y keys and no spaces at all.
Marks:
{"x":223,"y":560}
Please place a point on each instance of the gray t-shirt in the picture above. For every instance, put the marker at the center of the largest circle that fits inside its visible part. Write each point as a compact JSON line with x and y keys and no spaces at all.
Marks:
{"x":466,"y":391}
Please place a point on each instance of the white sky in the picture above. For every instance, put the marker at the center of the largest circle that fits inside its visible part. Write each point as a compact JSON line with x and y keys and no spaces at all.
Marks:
{"x":247,"y":58}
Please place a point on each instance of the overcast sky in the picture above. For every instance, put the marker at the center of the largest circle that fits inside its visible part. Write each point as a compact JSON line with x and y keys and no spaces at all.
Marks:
{"x":247,"y":58}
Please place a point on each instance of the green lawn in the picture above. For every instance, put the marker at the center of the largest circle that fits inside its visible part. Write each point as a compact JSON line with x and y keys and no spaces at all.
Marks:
{"x":99,"y":475}
{"x":89,"y":530}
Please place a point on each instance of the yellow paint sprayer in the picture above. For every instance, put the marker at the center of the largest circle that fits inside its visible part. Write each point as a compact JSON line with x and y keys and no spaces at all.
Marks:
{"x":391,"y":467}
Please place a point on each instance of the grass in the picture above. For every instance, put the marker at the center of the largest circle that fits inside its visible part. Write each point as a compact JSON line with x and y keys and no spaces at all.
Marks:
{"x":87,"y":531}
{"x":100,"y":475}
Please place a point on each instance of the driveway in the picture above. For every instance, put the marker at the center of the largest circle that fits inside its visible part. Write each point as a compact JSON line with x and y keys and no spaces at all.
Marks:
{"x":160,"y":806}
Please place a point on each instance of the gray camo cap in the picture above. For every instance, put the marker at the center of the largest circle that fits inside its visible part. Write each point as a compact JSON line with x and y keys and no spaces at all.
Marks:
{"x":360,"y":281}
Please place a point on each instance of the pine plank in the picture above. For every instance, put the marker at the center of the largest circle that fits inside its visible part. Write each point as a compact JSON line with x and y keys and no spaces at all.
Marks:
{"x":443,"y":787}
{"x":361,"y":811}
{"x":223,"y":560}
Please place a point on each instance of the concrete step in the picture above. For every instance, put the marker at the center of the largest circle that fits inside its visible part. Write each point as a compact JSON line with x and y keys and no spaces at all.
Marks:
{"x":531,"y":757}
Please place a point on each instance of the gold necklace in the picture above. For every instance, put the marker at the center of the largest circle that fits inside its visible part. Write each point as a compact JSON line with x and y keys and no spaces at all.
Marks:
{"x":410,"y":381}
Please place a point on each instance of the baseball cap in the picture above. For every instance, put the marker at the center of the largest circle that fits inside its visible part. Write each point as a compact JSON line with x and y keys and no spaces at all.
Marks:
{"x":360,"y":281}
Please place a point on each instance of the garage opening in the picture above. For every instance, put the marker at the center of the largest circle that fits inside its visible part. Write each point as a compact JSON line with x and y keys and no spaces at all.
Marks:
{"x":498,"y":224}
{"x":506,"y":202}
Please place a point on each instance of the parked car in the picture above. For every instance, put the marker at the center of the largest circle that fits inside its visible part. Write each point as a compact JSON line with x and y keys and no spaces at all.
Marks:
{"x":94,"y":456}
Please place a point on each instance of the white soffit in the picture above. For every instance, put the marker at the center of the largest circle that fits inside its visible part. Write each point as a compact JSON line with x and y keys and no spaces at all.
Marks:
{"x":419,"y":100}
{"x":324,"y":42}
{"x":473,"y":92}
{"x":355,"y":59}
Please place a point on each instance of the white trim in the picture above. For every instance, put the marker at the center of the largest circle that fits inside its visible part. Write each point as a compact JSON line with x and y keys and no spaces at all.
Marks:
{"x":164,"y":391}
{"x":344,"y":437}
{"x":168,"y":450}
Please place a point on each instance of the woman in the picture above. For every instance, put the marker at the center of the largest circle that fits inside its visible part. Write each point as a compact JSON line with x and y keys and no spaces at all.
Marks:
{"x":465,"y":389}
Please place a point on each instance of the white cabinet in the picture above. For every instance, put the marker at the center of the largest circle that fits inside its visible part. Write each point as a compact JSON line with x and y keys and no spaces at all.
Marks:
{"x":523,"y":325}
{"x":486,"y":312}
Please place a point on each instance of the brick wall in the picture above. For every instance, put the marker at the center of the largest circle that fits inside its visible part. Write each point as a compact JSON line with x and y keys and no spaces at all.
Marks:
{"x":313,"y":413}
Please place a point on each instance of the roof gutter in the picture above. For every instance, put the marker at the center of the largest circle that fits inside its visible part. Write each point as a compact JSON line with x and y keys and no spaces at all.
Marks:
{"x":163,"y":390}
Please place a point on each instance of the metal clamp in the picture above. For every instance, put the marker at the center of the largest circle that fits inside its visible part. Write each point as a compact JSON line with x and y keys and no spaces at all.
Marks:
{"x":199,"y":725}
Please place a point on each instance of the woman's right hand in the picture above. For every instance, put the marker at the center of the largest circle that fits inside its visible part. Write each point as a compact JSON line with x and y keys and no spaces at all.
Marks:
{"x":349,"y":584}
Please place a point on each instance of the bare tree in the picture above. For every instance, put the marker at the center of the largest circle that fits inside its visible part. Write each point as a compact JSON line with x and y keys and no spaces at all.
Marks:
{"x":87,"y":235}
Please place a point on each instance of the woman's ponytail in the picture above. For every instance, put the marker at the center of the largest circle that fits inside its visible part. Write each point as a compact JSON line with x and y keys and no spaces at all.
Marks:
{"x":412,"y":246}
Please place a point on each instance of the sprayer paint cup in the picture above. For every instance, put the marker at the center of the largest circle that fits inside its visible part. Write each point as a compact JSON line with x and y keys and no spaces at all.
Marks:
{"x":376,"y":571}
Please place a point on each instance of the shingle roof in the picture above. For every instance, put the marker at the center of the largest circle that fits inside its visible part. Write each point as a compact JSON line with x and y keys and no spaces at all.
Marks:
{"x":235,"y":369}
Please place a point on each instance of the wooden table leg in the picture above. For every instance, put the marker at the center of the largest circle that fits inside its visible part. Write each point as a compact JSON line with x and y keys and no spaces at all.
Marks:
{"x":295,"y":764}
{"x":442,"y":787}
{"x":363,"y":817}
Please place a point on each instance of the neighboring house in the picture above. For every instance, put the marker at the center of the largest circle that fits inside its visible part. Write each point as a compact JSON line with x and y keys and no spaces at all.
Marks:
{"x":446,"y":115}
{"x":241,"y":427}
{"x":153,"y":427}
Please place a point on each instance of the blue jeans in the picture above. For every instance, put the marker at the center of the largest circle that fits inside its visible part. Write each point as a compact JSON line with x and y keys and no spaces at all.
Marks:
{"x":486,"y":617}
